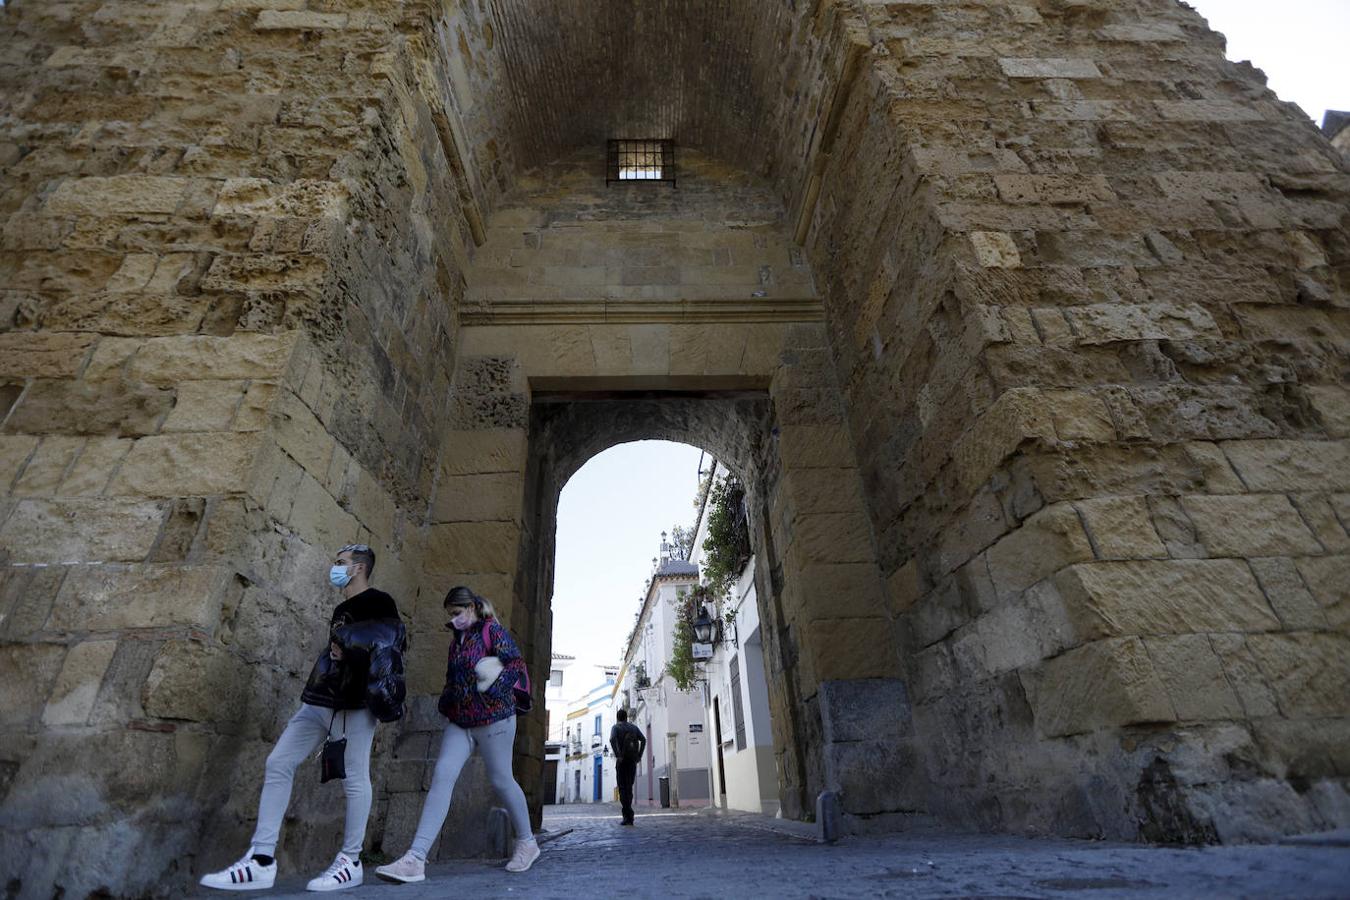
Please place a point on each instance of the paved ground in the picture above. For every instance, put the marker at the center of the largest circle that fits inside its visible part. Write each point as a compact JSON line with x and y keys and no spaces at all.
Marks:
{"x":676,"y":853}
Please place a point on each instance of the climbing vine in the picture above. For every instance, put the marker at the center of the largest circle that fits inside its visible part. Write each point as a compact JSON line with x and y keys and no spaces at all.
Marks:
{"x":726,"y":549}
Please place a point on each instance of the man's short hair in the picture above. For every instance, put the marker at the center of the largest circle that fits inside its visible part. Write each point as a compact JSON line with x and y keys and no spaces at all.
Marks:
{"x":361,"y":553}
{"x":622,"y":715}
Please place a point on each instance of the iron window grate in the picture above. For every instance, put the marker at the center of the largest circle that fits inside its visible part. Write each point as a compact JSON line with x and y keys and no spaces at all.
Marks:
{"x":640,"y":160}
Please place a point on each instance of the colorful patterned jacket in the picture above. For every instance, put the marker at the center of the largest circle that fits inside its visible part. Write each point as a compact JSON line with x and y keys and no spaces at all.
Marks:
{"x":461,"y":701}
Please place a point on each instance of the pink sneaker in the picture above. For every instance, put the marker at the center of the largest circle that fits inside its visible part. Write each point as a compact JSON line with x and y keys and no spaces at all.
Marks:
{"x":526,"y":853}
{"x":406,"y":869}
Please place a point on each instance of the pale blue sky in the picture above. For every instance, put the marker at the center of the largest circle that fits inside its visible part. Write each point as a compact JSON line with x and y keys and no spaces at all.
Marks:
{"x":610,"y":520}
{"x":613,"y":511}
{"x":1301,"y":45}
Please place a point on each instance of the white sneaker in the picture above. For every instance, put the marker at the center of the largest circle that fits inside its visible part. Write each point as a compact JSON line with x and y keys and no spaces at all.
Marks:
{"x":344,"y":873}
{"x":407,"y":869}
{"x":526,"y":853}
{"x":246,"y":875}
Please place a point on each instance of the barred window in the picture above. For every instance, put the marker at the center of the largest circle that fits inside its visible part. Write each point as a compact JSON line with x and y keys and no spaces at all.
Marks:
{"x":644,"y":160}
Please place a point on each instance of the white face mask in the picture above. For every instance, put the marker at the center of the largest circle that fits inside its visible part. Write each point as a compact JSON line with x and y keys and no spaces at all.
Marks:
{"x":462,"y":620}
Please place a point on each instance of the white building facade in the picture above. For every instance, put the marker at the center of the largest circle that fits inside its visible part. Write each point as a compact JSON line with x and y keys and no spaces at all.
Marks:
{"x":586,"y":771}
{"x":674,"y":771}
{"x":555,"y":706}
{"x":736,"y":698}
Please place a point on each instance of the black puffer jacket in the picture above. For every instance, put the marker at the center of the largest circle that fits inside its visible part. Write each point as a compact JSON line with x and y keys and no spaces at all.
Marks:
{"x":370,"y":673}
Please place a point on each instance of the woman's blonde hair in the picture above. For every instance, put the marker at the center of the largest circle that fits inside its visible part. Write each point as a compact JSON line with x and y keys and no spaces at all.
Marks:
{"x":464,"y":596}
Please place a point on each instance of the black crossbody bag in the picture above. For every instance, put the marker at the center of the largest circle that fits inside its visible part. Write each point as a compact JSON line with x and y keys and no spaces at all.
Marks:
{"x":333,"y":758}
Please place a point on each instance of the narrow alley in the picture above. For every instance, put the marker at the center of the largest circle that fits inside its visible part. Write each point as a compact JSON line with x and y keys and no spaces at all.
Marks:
{"x":694,"y":853}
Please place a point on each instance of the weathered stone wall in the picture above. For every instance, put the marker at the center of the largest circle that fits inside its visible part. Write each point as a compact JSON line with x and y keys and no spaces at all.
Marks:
{"x":566,"y":246}
{"x":231,"y":250}
{"x":1086,"y":288}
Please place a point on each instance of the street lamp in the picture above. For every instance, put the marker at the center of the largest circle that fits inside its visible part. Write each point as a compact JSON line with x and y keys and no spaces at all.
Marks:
{"x":703,"y":626}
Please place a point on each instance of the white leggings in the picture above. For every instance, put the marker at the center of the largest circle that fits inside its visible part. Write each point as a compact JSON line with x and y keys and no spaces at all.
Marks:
{"x":304,"y":733}
{"x":495,"y":742}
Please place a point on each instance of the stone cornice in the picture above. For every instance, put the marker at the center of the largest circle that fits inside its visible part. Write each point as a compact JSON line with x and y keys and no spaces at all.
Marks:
{"x":550,"y":312}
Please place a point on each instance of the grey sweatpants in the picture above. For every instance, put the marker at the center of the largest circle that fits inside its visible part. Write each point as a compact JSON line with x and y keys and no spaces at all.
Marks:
{"x":495,"y":742}
{"x":301,"y":739}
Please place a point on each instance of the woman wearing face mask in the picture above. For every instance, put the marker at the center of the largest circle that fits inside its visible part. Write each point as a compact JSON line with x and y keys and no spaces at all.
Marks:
{"x":485,"y":683}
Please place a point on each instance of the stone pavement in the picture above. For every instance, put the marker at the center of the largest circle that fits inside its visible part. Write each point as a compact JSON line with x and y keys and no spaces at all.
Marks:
{"x":679,"y":853}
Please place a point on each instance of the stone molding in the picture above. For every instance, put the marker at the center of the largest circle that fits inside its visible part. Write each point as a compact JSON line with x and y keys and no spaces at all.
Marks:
{"x":532,"y":312}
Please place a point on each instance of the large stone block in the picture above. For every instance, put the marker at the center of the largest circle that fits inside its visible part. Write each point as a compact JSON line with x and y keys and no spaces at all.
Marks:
{"x":188,"y":465}
{"x":487,"y":497}
{"x":1288,"y":595}
{"x":814,"y":446}
{"x":80,"y":407}
{"x":1100,"y":685}
{"x":1328,"y":577}
{"x":1017,"y":417}
{"x":14,"y":453}
{"x":1253,"y":692}
{"x":1079,"y":416}
{"x":374,"y":507}
{"x":196,"y":683}
{"x":27,"y":355}
{"x":112,"y":598}
{"x":832,"y":537}
{"x":472,"y":547}
{"x":27,"y":672}
{"x":1176,"y":596}
{"x":170,"y":360}
{"x":1045,"y":543}
{"x":843,"y":589}
{"x":1194,"y":678}
{"x":1250,"y":525}
{"x":485,"y":451}
{"x":317,"y":516}
{"x":1291,"y":465}
{"x":1310,"y":673}
{"x":1108,"y":323}
{"x":299,"y":433}
{"x":301,"y":199}
{"x":866,"y":709}
{"x":1049,"y":68}
{"x":72,"y":698}
{"x":119,"y":195}
{"x":1022,"y":631}
{"x":1120,"y":528}
{"x":81,"y":531}
{"x":204,"y":406}
{"x":48,"y":466}
{"x":851,"y":648}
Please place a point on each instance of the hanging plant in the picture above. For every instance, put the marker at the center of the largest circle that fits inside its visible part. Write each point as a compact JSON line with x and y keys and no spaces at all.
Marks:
{"x":726,"y":550}
{"x":682,"y":667}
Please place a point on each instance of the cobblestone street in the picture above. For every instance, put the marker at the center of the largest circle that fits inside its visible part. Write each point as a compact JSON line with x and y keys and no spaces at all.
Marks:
{"x":676,"y":853}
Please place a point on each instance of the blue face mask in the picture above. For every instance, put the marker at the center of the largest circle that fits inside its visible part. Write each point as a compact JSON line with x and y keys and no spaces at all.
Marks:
{"x":339,"y":576}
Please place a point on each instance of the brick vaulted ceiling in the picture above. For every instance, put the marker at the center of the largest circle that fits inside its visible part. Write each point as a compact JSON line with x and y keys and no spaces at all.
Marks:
{"x":741,"y":80}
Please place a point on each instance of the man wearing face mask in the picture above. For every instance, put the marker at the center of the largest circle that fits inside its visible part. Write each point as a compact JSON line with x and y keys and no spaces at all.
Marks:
{"x":357,"y":679}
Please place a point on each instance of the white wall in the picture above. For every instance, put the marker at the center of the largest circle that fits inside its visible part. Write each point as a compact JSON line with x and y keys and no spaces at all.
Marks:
{"x":751,"y":779}
{"x":576,"y":771}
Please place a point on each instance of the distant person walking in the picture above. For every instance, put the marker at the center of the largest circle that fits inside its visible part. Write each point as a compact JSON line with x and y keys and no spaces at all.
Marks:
{"x":486,"y":683}
{"x":357,"y":679}
{"x":628,"y":743}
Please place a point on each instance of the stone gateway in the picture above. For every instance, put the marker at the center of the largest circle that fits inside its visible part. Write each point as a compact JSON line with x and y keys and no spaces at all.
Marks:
{"x":1025,"y":323}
